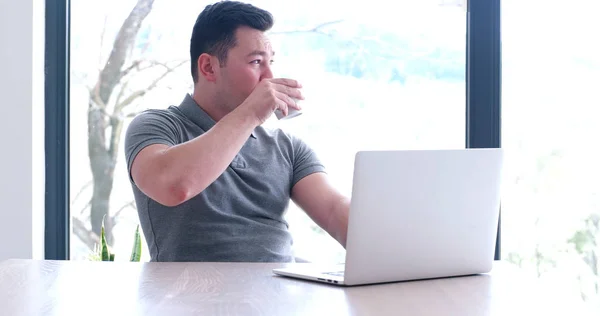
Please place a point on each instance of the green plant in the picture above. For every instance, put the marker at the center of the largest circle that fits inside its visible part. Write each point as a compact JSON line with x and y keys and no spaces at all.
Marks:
{"x":102,"y":252}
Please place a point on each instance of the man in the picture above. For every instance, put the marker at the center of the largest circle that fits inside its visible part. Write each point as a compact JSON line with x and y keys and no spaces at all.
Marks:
{"x":212,"y":184}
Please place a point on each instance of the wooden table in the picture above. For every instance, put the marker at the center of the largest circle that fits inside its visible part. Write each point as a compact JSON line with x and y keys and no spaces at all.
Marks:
{"x":29,"y":287}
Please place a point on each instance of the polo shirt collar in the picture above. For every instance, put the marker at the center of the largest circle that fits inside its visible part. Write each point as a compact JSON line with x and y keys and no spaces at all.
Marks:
{"x":196,"y":114}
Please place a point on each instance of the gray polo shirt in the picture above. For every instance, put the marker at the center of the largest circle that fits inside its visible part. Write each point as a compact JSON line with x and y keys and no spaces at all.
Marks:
{"x":240,"y":216}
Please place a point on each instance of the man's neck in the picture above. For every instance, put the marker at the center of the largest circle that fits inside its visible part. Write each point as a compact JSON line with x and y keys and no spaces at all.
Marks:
{"x":210,"y":105}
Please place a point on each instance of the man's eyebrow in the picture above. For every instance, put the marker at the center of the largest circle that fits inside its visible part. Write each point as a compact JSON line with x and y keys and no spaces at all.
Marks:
{"x":260,"y":52}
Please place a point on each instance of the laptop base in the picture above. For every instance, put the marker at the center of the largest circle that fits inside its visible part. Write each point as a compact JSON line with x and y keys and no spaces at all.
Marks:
{"x":315,"y":273}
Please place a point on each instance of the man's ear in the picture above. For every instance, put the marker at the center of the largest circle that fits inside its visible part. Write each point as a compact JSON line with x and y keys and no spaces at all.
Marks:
{"x":207,"y":66}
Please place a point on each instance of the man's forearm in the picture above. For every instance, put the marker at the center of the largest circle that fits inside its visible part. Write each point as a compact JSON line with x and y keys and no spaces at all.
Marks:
{"x":339,"y":220}
{"x":192,"y":166}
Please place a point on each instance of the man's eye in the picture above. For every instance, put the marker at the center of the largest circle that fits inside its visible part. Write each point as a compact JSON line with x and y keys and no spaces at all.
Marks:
{"x":256,"y":61}
{"x":271,"y":62}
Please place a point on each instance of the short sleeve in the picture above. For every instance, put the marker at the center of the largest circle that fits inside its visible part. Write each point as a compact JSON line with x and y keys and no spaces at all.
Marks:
{"x":148,"y":128}
{"x":305,"y":161}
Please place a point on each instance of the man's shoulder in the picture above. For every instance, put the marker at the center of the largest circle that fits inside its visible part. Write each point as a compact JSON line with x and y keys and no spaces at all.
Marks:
{"x":157,"y":118}
{"x":155,"y":123}
{"x":170,"y":113}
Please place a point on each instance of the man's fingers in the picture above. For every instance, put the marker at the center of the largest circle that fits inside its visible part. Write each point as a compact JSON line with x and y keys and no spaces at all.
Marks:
{"x":287,"y":82}
{"x":289,"y":91}
{"x":286,"y":101}
{"x":282,"y":107}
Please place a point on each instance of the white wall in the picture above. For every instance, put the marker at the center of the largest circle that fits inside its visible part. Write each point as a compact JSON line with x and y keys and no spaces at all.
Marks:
{"x":21,"y":129}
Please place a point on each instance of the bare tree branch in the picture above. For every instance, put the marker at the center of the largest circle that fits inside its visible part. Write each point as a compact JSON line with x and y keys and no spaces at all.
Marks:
{"x":95,"y":103}
{"x":85,"y":207}
{"x":95,"y":97}
{"x":102,"y":34}
{"x":120,"y":96}
{"x":115,"y":136}
{"x":316,"y":29}
{"x":132,"y":97}
{"x":134,"y":65}
{"x":132,"y":114}
{"x":109,"y":76}
{"x":89,"y":238}
{"x":85,"y":186}
{"x":128,"y":205}
{"x":152,"y":64}
{"x":325,"y":24}
{"x":169,"y":65}
{"x":119,"y":107}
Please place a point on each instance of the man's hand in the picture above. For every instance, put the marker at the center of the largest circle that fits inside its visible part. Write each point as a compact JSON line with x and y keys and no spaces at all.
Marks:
{"x":270,"y":95}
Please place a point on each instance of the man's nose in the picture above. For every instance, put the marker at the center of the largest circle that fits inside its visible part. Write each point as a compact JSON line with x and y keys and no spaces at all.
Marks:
{"x":267,"y":73}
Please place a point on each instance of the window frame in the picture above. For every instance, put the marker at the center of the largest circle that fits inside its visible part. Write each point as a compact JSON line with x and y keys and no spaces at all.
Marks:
{"x":483,"y":105}
{"x":56,"y":95}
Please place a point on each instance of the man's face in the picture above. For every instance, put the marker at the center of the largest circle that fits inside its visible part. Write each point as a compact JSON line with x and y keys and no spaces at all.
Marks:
{"x":247,"y":64}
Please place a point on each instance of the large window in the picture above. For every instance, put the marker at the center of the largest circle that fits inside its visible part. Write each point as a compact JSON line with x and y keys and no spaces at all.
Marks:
{"x":550,"y":130}
{"x":374,"y":79}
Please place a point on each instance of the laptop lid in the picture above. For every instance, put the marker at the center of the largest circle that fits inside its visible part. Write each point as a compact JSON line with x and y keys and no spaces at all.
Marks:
{"x":419,"y":214}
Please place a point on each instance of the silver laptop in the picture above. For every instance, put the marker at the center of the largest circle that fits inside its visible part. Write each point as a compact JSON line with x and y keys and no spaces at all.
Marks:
{"x":417,"y":214}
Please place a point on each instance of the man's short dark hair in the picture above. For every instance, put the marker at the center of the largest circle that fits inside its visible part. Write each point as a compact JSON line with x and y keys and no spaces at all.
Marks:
{"x":214,"y":30}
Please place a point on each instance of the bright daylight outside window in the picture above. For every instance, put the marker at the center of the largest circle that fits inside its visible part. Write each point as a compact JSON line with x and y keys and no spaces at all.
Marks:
{"x":550,"y":114}
{"x":375,"y":77}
